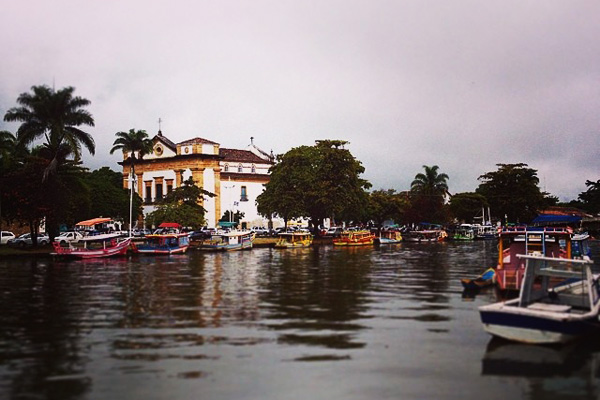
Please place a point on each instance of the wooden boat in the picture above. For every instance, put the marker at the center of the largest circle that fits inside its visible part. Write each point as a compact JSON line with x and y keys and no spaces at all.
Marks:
{"x":545,"y":312}
{"x":294,"y":240}
{"x":389,"y":237}
{"x":429,"y":235}
{"x":486,"y":232}
{"x":464,"y":232}
{"x":163,"y":243}
{"x":235,"y":240}
{"x":355,"y":238}
{"x":548,"y":242}
{"x":97,"y":246}
{"x":483,"y":280}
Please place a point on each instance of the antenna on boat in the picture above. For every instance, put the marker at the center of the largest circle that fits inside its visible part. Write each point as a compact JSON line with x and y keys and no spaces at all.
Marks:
{"x":130,"y":201}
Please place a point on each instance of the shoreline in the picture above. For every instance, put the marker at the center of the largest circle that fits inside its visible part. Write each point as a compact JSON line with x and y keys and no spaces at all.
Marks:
{"x":45,"y":251}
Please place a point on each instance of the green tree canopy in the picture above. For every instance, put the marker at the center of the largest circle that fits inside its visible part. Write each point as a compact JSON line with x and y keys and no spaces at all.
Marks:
{"x":466,"y":206}
{"x":386,"y":204}
{"x":181,"y":206}
{"x":110,"y":199}
{"x":290,"y":178}
{"x":512,"y":192}
{"x":235,"y":217}
{"x":320,"y":181}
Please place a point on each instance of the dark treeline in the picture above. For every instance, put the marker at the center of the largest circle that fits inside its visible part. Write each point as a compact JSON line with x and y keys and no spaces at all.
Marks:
{"x":42,"y":179}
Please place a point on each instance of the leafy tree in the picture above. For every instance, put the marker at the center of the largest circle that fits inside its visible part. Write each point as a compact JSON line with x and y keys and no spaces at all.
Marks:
{"x":428,"y":192}
{"x":183,"y":214}
{"x":386,"y":204}
{"x":181,"y":206}
{"x":341,"y":193}
{"x":188,"y":193}
{"x":290,"y":177}
{"x":229,"y":216}
{"x":466,"y":206}
{"x":8,"y":145}
{"x":23,"y":200}
{"x":591,"y":197}
{"x":110,"y":199}
{"x":512,"y":191}
{"x":320,"y":181}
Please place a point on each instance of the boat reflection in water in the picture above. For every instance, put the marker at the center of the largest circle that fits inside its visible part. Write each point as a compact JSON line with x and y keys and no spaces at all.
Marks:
{"x":567,"y":371}
{"x":363,"y":322}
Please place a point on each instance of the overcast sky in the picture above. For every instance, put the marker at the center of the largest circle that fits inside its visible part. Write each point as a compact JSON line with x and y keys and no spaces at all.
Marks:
{"x":459,"y":84}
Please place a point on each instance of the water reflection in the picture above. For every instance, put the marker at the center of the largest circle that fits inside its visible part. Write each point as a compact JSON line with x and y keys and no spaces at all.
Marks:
{"x":380,"y":322}
{"x":567,"y":371}
{"x":313,"y":296}
{"x":41,"y":353}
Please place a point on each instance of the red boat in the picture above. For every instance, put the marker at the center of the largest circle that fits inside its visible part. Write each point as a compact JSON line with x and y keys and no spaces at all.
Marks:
{"x":98,"y":246}
{"x":546,"y":242}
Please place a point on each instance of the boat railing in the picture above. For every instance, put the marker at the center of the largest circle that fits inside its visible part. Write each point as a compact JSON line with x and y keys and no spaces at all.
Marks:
{"x":554,"y":260}
{"x":565,"y":273}
{"x":527,"y":229}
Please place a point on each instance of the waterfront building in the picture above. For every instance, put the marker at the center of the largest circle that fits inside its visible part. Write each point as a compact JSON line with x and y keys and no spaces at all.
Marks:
{"x":235,"y":176}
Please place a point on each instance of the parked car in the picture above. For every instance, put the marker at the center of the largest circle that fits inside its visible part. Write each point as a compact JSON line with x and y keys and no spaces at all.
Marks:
{"x":25,"y":240}
{"x":141,"y":232}
{"x":68,"y":237}
{"x":201,"y":234}
{"x":260,"y":231}
{"x":334,"y":231}
{"x":5,"y":236}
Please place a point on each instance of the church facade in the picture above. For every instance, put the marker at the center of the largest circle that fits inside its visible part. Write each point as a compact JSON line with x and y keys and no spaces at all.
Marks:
{"x":235,"y":176}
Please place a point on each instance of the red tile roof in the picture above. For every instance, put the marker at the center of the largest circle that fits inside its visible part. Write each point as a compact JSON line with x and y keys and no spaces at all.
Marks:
{"x":234,"y":155}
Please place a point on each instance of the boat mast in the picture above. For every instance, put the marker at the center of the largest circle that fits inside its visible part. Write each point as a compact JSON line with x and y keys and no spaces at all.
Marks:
{"x":130,"y":200}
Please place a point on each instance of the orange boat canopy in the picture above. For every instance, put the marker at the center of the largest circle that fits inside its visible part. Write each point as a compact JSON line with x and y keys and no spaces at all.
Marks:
{"x":94,"y":221}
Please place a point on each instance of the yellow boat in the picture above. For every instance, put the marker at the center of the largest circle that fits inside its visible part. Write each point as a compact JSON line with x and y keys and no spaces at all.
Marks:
{"x":355,"y":238}
{"x":291,"y":240}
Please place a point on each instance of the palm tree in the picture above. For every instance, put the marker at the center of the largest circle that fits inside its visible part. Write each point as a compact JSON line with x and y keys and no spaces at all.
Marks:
{"x":430,"y":188}
{"x":430,"y":183}
{"x":55,"y":116}
{"x":137,"y":144}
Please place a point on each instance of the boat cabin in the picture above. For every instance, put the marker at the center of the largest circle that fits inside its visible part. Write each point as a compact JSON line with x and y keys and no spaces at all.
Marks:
{"x":547,"y":242}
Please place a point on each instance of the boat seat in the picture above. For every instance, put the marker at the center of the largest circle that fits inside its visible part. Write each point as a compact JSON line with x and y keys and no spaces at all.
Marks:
{"x":560,"y":308}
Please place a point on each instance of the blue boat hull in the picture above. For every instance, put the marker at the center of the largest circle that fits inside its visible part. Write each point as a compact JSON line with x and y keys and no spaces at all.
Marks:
{"x":534,"y":329}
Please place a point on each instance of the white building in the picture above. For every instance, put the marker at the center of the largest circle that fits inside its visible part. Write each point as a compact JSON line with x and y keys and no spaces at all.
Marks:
{"x":236,"y":177}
